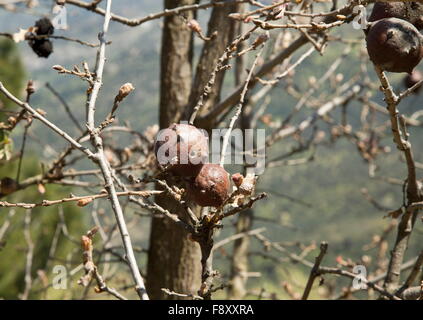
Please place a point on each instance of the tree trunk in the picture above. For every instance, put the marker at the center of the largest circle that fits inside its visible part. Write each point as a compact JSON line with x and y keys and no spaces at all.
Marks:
{"x":239,"y":264}
{"x":173,"y":260}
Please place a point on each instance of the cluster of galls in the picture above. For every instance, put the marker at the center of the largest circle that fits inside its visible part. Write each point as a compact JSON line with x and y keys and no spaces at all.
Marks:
{"x":394,"y":42}
{"x":42,"y":47}
{"x":207,"y":184}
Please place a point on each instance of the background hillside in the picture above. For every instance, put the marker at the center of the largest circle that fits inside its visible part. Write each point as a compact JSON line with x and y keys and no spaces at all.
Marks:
{"x":330,"y":185}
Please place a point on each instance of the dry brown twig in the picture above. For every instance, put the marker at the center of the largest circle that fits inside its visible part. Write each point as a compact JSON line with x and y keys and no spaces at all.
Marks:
{"x":29,"y":255}
{"x":91,"y":270}
{"x":182,"y":295}
{"x":153,"y":16}
{"x":408,"y":219}
{"x":315,"y":270}
{"x":81,"y":201}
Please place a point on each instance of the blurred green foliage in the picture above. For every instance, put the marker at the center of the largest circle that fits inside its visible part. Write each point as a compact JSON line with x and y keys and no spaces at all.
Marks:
{"x":12,"y":71}
{"x":43,"y":225}
{"x":13,"y":247}
{"x":12,"y":75}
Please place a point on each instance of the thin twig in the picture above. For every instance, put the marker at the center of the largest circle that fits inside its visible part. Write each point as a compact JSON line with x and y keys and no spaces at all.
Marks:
{"x":44,"y":120}
{"x":29,"y":255}
{"x":182,"y":295}
{"x":405,"y":227}
{"x":412,"y":276}
{"x":66,"y":106}
{"x":314,"y":271}
{"x":238,"y":110}
{"x":153,"y":16}
{"x":82,"y":201}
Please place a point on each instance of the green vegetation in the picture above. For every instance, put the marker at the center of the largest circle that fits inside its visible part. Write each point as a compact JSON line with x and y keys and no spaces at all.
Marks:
{"x":45,"y":219}
{"x":11,"y":70}
{"x":12,"y":74}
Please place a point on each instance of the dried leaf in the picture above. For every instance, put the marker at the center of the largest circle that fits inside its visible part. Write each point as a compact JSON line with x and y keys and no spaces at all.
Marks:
{"x":248,"y":184}
{"x":340,"y":260}
{"x":86,"y":243}
{"x":83,"y":202}
{"x":41,"y":188}
{"x":124,"y":91}
{"x":237,"y":178}
{"x":194,"y":26}
{"x":395,"y":214}
{"x":41,"y":111}
{"x":58,"y":68}
{"x":260,"y":39}
{"x":20,"y":35}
